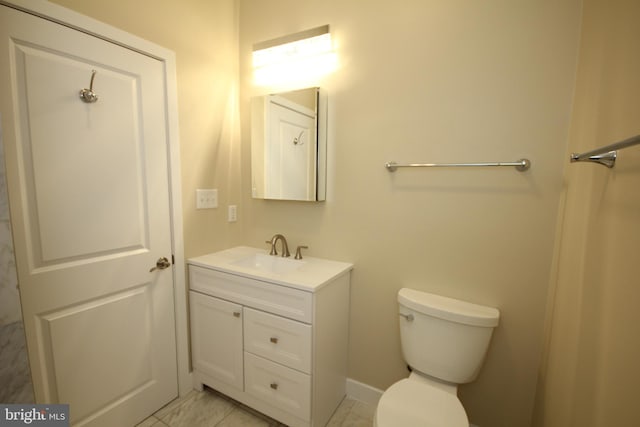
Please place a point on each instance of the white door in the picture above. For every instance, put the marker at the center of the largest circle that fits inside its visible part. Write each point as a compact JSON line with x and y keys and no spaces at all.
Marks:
{"x":290,"y":151}
{"x":89,"y":199}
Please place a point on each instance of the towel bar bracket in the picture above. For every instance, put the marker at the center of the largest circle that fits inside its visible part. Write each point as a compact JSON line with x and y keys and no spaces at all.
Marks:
{"x":605,"y":155}
{"x":606,"y":159}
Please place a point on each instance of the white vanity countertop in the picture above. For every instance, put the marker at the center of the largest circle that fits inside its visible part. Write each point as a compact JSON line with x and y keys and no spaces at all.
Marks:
{"x":308,"y":274}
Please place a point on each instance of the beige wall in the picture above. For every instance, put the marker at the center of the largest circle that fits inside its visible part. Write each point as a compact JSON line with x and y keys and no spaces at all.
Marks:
{"x":203,"y":34}
{"x":425,"y":81}
{"x":591,"y":374}
{"x":434,"y":81}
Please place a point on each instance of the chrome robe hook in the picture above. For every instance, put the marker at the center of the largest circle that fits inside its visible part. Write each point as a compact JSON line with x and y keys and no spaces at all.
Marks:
{"x":87,"y":95}
{"x":298,"y":140}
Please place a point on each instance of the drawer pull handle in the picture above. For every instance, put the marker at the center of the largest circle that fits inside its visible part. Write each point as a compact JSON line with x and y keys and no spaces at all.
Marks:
{"x":236,"y":314}
{"x":274,"y":340}
{"x":274,"y":386}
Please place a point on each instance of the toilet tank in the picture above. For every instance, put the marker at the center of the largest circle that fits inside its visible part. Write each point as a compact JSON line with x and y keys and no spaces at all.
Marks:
{"x":444,"y":337}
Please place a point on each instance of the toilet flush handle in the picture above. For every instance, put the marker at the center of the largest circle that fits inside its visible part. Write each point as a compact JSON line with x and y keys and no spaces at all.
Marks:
{"x":409,"y":316}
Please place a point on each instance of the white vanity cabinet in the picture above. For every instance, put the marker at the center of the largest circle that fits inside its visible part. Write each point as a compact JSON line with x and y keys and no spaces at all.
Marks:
{"x":277,"y":346}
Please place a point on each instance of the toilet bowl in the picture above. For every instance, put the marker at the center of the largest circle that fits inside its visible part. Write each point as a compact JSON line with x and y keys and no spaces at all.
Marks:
{"x":414,"y":402}
{"x":444,"y":341}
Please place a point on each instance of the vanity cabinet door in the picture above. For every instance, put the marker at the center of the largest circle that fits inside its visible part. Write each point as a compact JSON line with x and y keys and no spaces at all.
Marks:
{"x":216,"y":338}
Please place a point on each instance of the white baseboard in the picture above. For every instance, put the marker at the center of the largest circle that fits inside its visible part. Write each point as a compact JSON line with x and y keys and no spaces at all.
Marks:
{"x":367,"y":394}
{"x":363,"y":392}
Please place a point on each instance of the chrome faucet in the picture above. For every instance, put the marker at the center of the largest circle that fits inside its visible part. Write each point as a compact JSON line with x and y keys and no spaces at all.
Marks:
{"x":285,"y":247}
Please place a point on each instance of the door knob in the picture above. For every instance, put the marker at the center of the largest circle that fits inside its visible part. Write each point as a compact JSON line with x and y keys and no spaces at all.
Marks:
{"x":161,"y":264}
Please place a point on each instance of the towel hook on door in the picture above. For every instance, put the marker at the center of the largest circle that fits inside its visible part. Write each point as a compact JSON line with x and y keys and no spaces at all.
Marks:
{"x":87,"y":95}
{"x":298,"y":139}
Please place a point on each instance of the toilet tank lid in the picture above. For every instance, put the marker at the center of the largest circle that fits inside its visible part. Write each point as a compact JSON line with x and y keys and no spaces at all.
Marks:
{"x":449,"y":308}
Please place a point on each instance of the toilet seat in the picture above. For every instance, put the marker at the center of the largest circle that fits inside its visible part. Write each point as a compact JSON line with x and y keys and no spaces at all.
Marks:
{"x":410,"y":403}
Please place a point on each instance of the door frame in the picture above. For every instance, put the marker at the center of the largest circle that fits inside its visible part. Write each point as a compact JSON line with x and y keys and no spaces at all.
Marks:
{"x":61,"y":15}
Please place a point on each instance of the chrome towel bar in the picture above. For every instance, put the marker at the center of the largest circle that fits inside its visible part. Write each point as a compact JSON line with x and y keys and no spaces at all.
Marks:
{"x":521,"y":165}
{"x":605,"y":155}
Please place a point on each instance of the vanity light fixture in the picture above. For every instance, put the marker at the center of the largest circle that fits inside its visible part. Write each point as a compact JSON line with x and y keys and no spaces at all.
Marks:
{"x":295,"y":58}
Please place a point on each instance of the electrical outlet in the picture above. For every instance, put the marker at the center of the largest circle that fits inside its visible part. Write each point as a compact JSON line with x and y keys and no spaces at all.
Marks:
{"x":206,"y":199}
{"x":233,"y":213}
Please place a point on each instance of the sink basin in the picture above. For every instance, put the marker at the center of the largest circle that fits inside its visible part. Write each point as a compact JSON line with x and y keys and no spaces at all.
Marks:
{"x":308,"y":274}
{"x":269,"y":263}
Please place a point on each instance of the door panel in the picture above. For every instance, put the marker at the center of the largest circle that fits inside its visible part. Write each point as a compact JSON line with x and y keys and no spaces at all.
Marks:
{"x":124,"y":319}
{"x":107,"y":167}
{"x":89,"y":201}
{"x":290,"y":154}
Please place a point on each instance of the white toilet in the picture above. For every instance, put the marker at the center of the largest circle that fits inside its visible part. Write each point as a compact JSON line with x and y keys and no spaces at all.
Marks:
{"x":444,"y":341}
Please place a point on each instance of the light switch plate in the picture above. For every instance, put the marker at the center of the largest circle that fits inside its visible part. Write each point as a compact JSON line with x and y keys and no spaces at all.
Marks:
{"x":232,"y":213}
{"x":206,"y":199}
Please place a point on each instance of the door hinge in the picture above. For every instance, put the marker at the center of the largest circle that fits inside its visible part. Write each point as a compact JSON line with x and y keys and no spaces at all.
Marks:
{"x":173,"y":259}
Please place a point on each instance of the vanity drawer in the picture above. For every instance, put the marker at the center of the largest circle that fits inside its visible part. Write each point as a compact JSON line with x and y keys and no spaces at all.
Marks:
{"x":278,"y":339}
{"x":277,"y":385}
{"x":276,"y":299}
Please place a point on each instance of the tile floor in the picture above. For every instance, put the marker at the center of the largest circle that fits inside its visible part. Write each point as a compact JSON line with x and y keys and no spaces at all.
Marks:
{"x":15,"y":376}
{"x":209,"y":408}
